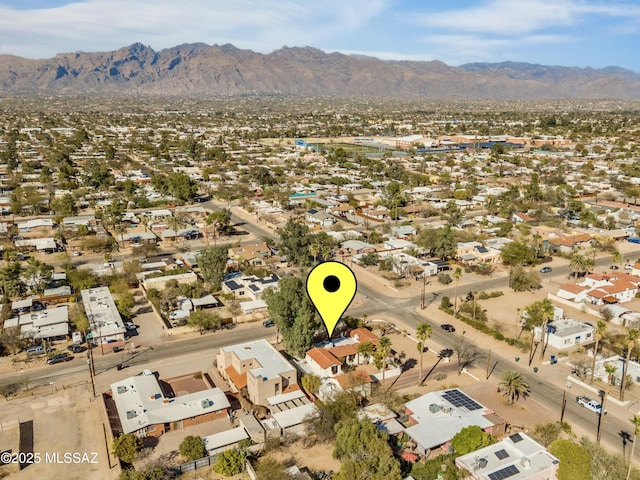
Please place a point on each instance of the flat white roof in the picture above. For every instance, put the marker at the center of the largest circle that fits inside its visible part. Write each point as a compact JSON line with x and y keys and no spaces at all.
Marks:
{"x":223,"y":439}
{"x":437,"y":427}
{"x":270,"y":360}
{"x":294,"y":416}
{"x":285,"y":397}
{"x":140,"y":403}
{"x":45,"y":318}
{"x":102,"y":312}
{"x":519,"y":453}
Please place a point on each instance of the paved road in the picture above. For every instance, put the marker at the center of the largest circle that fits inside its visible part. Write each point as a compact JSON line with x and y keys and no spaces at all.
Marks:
{"x":208,"y":344}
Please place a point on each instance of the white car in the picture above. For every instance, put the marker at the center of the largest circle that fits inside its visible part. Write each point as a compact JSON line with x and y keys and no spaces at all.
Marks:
{"x":76,"y":253}
{"x":628,"y":267}
{"x":129,"y":325}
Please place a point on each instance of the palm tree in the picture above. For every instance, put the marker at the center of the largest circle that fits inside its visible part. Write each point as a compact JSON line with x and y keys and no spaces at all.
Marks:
{"x":610,"y":368}
{"x":384,"y":347}
{"x":457,"y":275}
{"x":632,"y":338}
{"x":546,"y":315}
{"x":601,"y":328}
{"x":513,"y":385}
{"x":365,"y":349}
{"x":314,"y":249}
{"x":636,"y":430}
{"x":580,"y":264}
{"x":423,"y":333}
{"x":326,"y":253}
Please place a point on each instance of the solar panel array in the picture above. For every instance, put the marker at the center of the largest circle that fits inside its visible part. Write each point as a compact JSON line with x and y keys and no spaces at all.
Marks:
{"x":505,"y":472}
{"x":459,"y":399}
{"x":502,"y":454}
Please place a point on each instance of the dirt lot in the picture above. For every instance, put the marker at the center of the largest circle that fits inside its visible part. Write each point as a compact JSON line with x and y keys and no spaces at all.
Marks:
{"x":64,"y":422}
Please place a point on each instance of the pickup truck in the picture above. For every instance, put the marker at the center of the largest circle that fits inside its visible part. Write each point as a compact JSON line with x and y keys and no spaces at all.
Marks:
{"x":590,"y":404}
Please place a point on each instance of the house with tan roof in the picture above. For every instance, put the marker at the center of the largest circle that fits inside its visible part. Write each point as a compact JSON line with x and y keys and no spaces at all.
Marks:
{"x":257,"y":367}
{"x":257,"y":254}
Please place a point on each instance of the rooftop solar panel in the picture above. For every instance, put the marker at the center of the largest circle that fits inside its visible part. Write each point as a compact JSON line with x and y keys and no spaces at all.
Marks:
{"x":459,"y":399}
{"x":503,"y":473}
{"x":515,"y":438}
{"x":502,"y":454}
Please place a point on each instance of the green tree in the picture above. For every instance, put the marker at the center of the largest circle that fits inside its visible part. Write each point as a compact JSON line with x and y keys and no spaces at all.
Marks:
{"x":517,"y":253}
{"x":546,"y":313}
{"x":38,"y":275}
{"x":213,"y":265}
{"x":269,"y":468}
{"x":470,"y":439}
{"x":294,"y":314}
{"x":11,"y":280}
{"x":521,"y":280}
{"x":204,"y":320}
{"x":446,"y":245}
{"x":513,"y":385}
{"x":126,"y":447}
{"x":369,"y":259}
{"x":575,"y":463}
{"x":311,"y":383}
{"x":331,"y":412}
{"x":423,"y":332}
{"x":192,"y":447}
{"x":364,"y":452}
{"x":295,"y":241}
{"x":221,"y":221}
{"x":230,"y":462}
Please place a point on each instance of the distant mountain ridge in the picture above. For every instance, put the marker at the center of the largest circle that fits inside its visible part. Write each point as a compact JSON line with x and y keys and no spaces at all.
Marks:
{"x":200,"y":69}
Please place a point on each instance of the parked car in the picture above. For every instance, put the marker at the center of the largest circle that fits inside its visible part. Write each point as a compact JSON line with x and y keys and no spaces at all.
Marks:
{"x":130,"y":325}
{"x":76,"y":348}
{"x":448,"y":327}
{"x":546,"y":270}
{"x":76,"y":253}
{"x":614,"y":267}
{"x":268,"y":323}
{"x":38,"y":350}
{"x":628,"y":267}
{"x":63,"y":357}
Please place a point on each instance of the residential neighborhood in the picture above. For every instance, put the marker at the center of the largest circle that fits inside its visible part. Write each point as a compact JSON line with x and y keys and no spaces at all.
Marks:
{"x":154,"y":268}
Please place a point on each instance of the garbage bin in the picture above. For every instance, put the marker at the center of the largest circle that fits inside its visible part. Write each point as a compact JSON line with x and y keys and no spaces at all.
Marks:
{"x":554,"y":360}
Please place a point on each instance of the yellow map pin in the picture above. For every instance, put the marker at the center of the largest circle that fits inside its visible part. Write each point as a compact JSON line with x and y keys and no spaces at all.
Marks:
{"x":331,"y":286}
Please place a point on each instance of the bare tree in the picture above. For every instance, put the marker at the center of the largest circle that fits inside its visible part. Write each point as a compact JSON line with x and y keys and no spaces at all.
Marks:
{"x":467,"y":353}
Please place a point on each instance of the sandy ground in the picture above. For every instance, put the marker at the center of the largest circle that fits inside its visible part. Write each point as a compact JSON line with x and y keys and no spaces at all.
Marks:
{"x":66,"y":421}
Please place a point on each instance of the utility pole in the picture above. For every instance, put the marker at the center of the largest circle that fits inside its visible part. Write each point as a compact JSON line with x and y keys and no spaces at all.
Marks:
{"x":488,"y":362}
{"x":564,"y":405}
{"x":517,"y":321}
{"x":602,"y":394}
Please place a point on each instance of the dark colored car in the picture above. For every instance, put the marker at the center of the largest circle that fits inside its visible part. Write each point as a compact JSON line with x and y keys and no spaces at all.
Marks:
{"x":445,"y":353}
{"x":268,"y":323}
{"x":546,"y":270}
{"x":63,"y":357}
{"x":76,"y":348}
{"x":448,"y":327}
{"x":614,"y":267}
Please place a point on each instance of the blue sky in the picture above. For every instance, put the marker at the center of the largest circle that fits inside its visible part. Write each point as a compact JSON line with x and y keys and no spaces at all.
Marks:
{"x":594,"y":33}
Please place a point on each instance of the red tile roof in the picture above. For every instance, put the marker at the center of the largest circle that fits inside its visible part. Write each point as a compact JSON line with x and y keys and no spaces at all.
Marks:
{"x":364,"y":335}
{"x":342,"y":351}
{"x":353,"y":379}
{"x":323,"y":357}
{"x":573,"y":288}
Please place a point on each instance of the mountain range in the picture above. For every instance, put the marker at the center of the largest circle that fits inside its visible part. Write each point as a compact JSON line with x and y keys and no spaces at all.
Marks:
{"x":200,"y":69}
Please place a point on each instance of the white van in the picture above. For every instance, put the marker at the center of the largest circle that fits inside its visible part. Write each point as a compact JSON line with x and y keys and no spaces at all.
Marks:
{"x":77,"y":338}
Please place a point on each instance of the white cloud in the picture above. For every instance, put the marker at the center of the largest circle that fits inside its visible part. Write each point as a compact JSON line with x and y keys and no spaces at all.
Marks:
{"x":518,"y":17}
{"x":262,"y":25}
